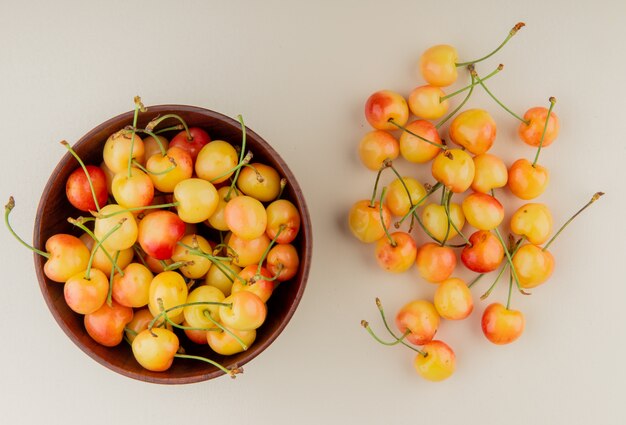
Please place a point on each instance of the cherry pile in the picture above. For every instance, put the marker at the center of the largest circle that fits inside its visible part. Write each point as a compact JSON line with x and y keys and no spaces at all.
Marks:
{"x":182,"y":235}
{"x":429,"y":236}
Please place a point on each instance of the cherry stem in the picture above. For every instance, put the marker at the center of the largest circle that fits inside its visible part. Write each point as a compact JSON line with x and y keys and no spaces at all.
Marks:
{"x":545,"y":127}
{"x":110,"y":292}
{"x":382,"y":220}
{"x":172,"y":128}
{"x":493,"y":285}
{"x":281,"y":228}
{"x":513,"y":251}
{"x":508,"y":299}
{"x":231,"y":372}
{"x":207,"y":314}
{"x":177,"y":265}
{"x":138,"y":106}
{"x":241,"y":158}
{"x":99,"y":244}
{"x":242,"y":163}
{"x":458,"y":108}
{"x":446,"y":208}
{"x":380,"y":171}
{"x":403,"y":128}
{"x":79,"y":223}
{"x":7,"y":210}
{"x":84,"y":167}
{"x":283,"y":184}
{"x":480,"y":81}
{"x":137,"y":250}
{"x":155,"y":173}
{"x":394,"y":342}
{"x":594,"y":198}
{"x":476,"y":279}
{"x":382,"y":315}
{"x":147,"y":207}
{"x":419,"y":202}
{"x":513,"y":31}
{"x":156,"y":121}
{"x":164,"y":311}
{"x":510,"y":261}
{"x":459,"y":91}
{"x":215,"y":261}
{"x":156,"y":139}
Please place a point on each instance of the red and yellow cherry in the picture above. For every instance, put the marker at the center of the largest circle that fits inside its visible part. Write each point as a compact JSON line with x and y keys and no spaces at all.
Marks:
{"x":196,"y":315}
{"x":473,"y":129}
{"x":106,"y":325}
{"x":157,"y":266}
{"x":84,"y":293}
{"x":425,"y":102}
{"x":101,"y":260}
{"x":398,"y":254}
{"x":199,"y":138}
{"x":196,"y":265}
{"x":532,"y":128}
{"x":124,"y":237}
{"x":490,"y":173}
{"x":414,"y":149}
{"x":252,"y":282}
{"x":533,"y":265}
{"x":79,"y":193}
{"x":159,"y":233}
{"x":453,"y":299}
{"x":221,"y":275}
{"x":223,"y":342}
{"x":217,"y":220}
{"x":134,"y":190}
{"x":248,"y":251}
{"x":483,"y":211}
{"x":170,"y":288}
{"x":527,"y":181}
{"x":377,"y":147}
{"x":364,"y":221}
{"x":68,"y":256}
{"x":454,"y":168}
{"x":246,"y":217}
{"x":259,"y":181}
{"x":152,"y":147}
{"x":501,"y":325}
{"x":397,"y":199}
{"x":246,"y":311}
{"x":140,"y":321}
{"x":216,"y":161}
{"x":197,"y":200}
{"x":169,"y":170}
{"x":384,"y":106}
{"x":533,"y":221}
{"x":484,"y":254}
{"x":132,"y":289}
{"x":108,"y":175}
{"x":438,"y":65}
{"x":435,"y":220}
{"x":420,"y":318}
{"x":434,"y":262}
{"x":283,"y":262}
{"x":197,"y":336}
{"x":283,"y":217}
{"x":437,"y":362}
{"x":117,"y":150}
{"x":155,"y":349}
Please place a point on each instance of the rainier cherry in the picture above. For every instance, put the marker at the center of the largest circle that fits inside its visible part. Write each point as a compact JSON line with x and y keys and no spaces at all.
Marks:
{"x":248,"y":251}
{"x":223,"y":342}
{"x":259,"y":181}
{"x":197,"y":200}
{"x":454,"y":168}
{"x":435,"y":220}
{"x":167,"y":290}
{"x":246,"y":311}
{"x":79,"y":192}
{"x":121,"y":239}
{"x":397,"y":199}
{"x":132,"y":289}
{"x":482,"y":211}
{"x":534,"y":125}
{"x":376,"y":147}
{"x":117,"y":150}
{"x":533,"y":221}
{"x":195,"y":265}
{"x":453,"y":299}
{"x":199,"y":138}
{"x":501,"y":325}
{"x":420,"y":319}
{"x":435,"y":262}
{"x":159,"y":232}
{"x":166,"y":171}
{"x":216,"y":161}
{"x":436,"y":362}
{"x":246,"y":217}
{"x":132,"y":189}
{"x":425,"y":102}
{"x":283,"y":217}
{"x":473,"y":129}
{"x":396,"y":253}
{"x":364,"y":220}
{"x":283,"y":261}
{"x":484,"y":253}
{"x":155,"y":349}
{"x":256,"y":280}
{"x":490,"y":173}
{"x":196,"y":314}
{"x":417,"y":149}
{"x":385,"y":106}
{"x":106,"y":325}
{"x":527,"y":181}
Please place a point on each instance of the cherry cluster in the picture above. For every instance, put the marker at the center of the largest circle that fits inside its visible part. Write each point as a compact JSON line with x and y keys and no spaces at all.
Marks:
{"x":468,"y":228}
{"x":184,"y":234}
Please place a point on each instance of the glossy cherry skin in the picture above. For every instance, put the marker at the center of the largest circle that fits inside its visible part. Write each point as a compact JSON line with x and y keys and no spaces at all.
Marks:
{"x":482,"y":211}
{"x":435,"y":262}
{"x":223,"y":343}
{"x":199,"y":138}
{"x":490,"y":173}
{"x":248,"y":251}
{"x":159,"y":232}
{"x":197,"y":200}
{"x":376,"y":147}
{"x":435,"y":220}
{"x":414,"y":149}
{"x":396,"y":258}
{"x":247,"y":312}
{"x":155,"y":349}
{"x":165,"y":175}
{"x":425,"y":102}
{"x":222,"y":276}
{"x":534,"y":266}
{"x":438,"y":65}
{"x":195,"y":315}
{"x":116,"y":151}
{"x":217,"y":220}
{"x":265,"y":190}
{"x":263,"y":288}
{"x":453,"y":299}
{"x":102,"y":262}
{"x":132,"y":289}
{"x":201,"y":264}
{"x":106,"y":325}
{"x":501,"y":326}
{"x":437,"y":363}
{"x":397,"y":199}
{"x":473,"y":129}
{"x":215,"y":161}
{"x":124,"y":237}
{"x":68,"y":256}
{"x":534,"y":221}
{"x":454,"y":168}
{"x":536,"y":118}
{"x":134,"y":191}
{"x":364,"y":221}
{"x":140,"y":321}
{"x":171,"y":289}
{"x":78,"y":191}
{"x":386,"y":105}
{"x":246,"y":217}
{"x":84,"y":295}
{"x":283,"y":262}
{"x":527,"y":182}
{"x":151,"y":147}
{"x":282,"y":213}
{"x":485,"y":253}
{"x":422,"y":320}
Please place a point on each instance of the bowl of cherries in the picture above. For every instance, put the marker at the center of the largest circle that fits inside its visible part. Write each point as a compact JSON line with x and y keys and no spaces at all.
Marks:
{"x":172,"y":244}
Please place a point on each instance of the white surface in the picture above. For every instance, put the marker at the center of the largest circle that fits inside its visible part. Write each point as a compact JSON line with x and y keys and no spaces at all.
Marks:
{"x":300,"y":72}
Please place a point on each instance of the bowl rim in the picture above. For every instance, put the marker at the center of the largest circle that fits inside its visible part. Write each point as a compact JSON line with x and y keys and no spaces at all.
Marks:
{"x":305,"y":259}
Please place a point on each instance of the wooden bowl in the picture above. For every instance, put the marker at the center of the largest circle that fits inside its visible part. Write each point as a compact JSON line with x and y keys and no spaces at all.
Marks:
{"x":54,"y":209}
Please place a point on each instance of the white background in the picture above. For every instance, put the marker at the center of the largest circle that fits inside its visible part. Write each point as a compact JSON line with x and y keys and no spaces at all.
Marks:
{"x":300,"y":72}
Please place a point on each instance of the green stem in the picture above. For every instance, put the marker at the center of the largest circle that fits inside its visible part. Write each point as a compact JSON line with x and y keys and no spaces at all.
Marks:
{"x":164,"y":311}
{"x":493,"y":285}
{"x":476,"y":279}
{"x":99,"y":244}
{"x":156,"y":139}
{"x":382,"y":315}
{"x":207,"y":314}
{"x":373,"y":199}
{"x":152,"y":124}
{"x":458,"y":108}
{"x":78,"y":223}
{"x":241,"y":158}
{"x":513,"y":31}
{"x":382,"y":219}
{"x":231,"y":372}
{"x":154,"y":173}
{"x":7,"y":210}
{"x":419,"y":202}
{"x":138,"y":105}
{"x":138,"y":253}
{"x":545,"y":127}
{"x":480,"y":81}
{"x":394,"y":342}
{"x":110,"y":293}
{"x":403,"y":128}
{"x":508,"y":300}
{"x":267,"y":250}
{"x":498,"y":69}
{"x":446,"y":207}
{"x":172,"y":128}
{"x":84,"y":167}
{"x":510,"y":260}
